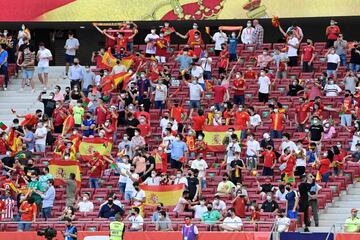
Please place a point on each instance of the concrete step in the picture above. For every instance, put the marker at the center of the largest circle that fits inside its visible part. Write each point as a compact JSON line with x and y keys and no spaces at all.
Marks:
{"x":337,"y":210}
{"x":351,"y":197}
{"x":354,"y":191}
{"x":349,"y":204}
{"x":335,"y":216}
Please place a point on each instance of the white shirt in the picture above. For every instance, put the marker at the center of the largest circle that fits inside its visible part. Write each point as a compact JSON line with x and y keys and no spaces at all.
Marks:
{"x":41,"y":132}
{"x":118,"y":68}
{"x":220,"y":206}
{"x":181,"y":180}
{"x":231,"y":149}
{"x":136,"y":222}
{"x":98,"y":80}
{"x":264,"y":83}
{"x":255,"y":120}
{"x":167,"y":141}
{"x":43,"y":56}
{"x":301,"y":162}
{"x":199,"y":210}
{"x":333,"y":58}
{"x":123,"y":167}
{"x":150,"y":44}
{"x":247,"y":35}
{"x":289,"y":144}
{"x":160,"y":92}
{"x":150,"y":181}
{"x":197,"y":72}
{"x":206,"y":63}
{"x":281,"y":196}
{"x":70,"y":45}
{"x":233,"y":222}
{"x":252,"y":146}
{"x":86,"y":206}
{"x":163,"y":124}
{"x":219,"y":38}
{"x":195,"y":91}
{"x":129,"y":183}
{"x":282,"y":224}
{"x":200,"y":165}
{"x":139,"y":196}
{"x":292,"y":52}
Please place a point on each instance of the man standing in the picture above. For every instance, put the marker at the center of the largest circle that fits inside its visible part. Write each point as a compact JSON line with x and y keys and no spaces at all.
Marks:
{"x":40,"y":137}
{"x":332,"y":33}
{"x":48,"y":199}
{"x":352,"y":224}
{"x":117,"y":228}
{"x":302,"y":114}
{"x":219,"y":38}
{"x":150,"y":41}
{"x":70,"y":190}
{"x":189,"y":231}
{"x":307,"y":56}
{"x":264,"y":87}
{"x":28,"y":68}
{"x":76,"y":74}
{"x":293,"y":45}
{"x":28,"y":210}
{"x":4,"y":64}
{"x":340,"y":46}
{"x":247,"y":34}
{"x":43,"y":56}
{"x":258,"y":34}
{"x":71,"y":45}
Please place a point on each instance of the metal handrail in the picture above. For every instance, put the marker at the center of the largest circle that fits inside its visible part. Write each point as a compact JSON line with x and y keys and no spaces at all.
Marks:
{"x":332,"y":228}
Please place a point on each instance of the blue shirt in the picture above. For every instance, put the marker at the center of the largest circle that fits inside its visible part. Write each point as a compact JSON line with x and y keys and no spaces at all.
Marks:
{"x":48,"y":198}
{"x":3,"y":55}
{"x":88,"y":123}
{"x":311,"y":156}
{"x":290,"y":197}
{"x":233,"y":45}
{"x":76,"y":72}
{"x":30,"y":143}
{"x":184,"y":61}
{"x":178,"y":149}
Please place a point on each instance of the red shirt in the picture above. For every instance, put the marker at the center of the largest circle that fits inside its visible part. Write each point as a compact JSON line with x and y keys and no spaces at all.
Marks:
{"x":332,"y":32}
{"x":241,"y":119}
{"x":110,"y":42}
{"x":145,"y":129}
{"x":167,"y":31}
{"x":59,"y":116}
{"x":100,"y":115}
{"x":250,"y":75}
{"x":289,"y":166}
{"x":302,"y":112}
{"x":239,"y":206}
{"x":121,"y":43}
{"x":30,"y":119}
{"x":347,"y":105}
{"x":29,"y":209}
{"x":269,"y":157}
{"x":277,"y":121}
{"x":110,"y":135}
{"x":161,"y":47}
{"x":219,"y":93}
{"x":324,"y":165}
{"x":191,"y":36}
{"x":3,"y":146}
{"x":308,"y":52}
{"x":198,"y":122}
{"x":138,"y":114}
{"x":176,"y":113}
{"x":239,"y":83}
{"x":98,"y":164}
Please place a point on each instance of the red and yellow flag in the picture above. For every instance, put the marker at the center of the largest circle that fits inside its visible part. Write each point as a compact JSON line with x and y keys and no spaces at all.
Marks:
{"x":88,"y":146}
{"x":108,"y":59}
{"x":61,"y":170}
{"x":214,"y":136}
{"x":121,"y":77}
{"x":167,"y":194}
{"x":68,"y":125}
{"x":15,"y":143}
{"x":127,"y":61}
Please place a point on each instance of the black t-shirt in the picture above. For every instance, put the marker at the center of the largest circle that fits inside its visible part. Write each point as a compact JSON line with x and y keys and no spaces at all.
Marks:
{"x":150,"y":161}
{"x":31,"y":169}
{"x":147,"y":103}
{"x":315,"y":132}
{"x":304,"y":189}
{"x":73,"y":231}
{"x":49,"y":106}
{"x":269,"y":206}
{"x":267,"y":187}
{"x":18,"y":128}
{"x":133,"y":122}
{"x":264,"y":143}
{"x":355,"y":56}
{"x":8,"y":161}
{"x":193,"y":183}
{"x":294,"y":89}
{"x":235,"y":163}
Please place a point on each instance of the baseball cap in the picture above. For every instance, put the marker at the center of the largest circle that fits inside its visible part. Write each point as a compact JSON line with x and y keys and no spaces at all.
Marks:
{"x":354,"y":210}
{"x":266,"y":135}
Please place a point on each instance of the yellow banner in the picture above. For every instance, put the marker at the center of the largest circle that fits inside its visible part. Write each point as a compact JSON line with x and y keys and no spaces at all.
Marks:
{"x":167,"y":194}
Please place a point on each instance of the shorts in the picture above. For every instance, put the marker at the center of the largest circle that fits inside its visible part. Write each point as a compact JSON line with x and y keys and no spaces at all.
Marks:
{"x":28,"y":74}
{"x":43,"y":70}
{"x":194,"y":104}
{"x":69,"y":58}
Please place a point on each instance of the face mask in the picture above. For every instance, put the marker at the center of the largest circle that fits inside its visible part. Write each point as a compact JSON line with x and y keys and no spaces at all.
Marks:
{"x":233,"y":35}
{"x":101,"y":135}
{"x":178,"y":175}
{"x":224,"y":179}
{"x":195,"y":27}
{"x":88,"y":117}
{"x":110,"y":202}
{"x":187,"y":221}
{"x":142,"y":120}
{"x":216,"y":201}
{"x":33,"y":179}
{"x":262,"y":74}
{"x":276,"y":110}
{"x":264,"y":53}
{"x":142,"y":75}
{"x":125,"y":138}
{"x":200,"y":137}
{"x":153,"y":31}
{"x":107,"y":124}
{"x":288,"y":188}
{"x":84,"y":198}
{"x":339,"y":146}
{"x":87,"y":69}
{"x":308,"y":43}
{"x":237,"y":76}
{"x":177,"y":139}
{"x":202,"y":202}
{"x":248,"y":24}
{"x":228,"y":214}
{"x":294,"y":83}
{"x":153,"y":175}
{"x":268,"y":198}
{"x":325,"y":155}
{"x":332,"y":23}
{"x":158,"y":208}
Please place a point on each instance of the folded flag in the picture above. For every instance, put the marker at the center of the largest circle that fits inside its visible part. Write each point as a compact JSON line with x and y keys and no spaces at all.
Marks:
{"x":88,"y":146}
{"x":214,"y":136}
{"x":108,"y":59}
{"x":61,"y":170}
{"x":167,"y":194}
{"x":3,"y":126}
{"x":68,"y":125}
{"x":230,"y":28}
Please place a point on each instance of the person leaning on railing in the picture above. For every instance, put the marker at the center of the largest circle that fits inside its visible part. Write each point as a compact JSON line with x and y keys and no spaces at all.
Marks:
{"x":352,"y":224}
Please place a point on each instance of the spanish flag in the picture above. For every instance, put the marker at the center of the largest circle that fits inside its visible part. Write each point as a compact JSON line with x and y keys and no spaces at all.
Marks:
{"x":14,"y":141}
{"x":108,"y":59}
{"x":68,"y":125}
{"x":120,"y":77}
{"x":90,"y":145}
{"x":167,"y":194}
{"x":214,"y":136}
{"x":61,"y":170}
{"x":127,"y":61}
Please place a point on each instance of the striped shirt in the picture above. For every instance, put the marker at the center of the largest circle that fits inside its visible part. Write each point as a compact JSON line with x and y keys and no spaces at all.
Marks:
{"x":9,"y":208}
{"x":28,"y":57}
{"x":258,"y":35}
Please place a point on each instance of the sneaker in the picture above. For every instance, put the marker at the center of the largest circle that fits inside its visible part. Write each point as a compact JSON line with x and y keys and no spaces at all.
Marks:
{"x":5,"y":89}
{"x":306,"y":229}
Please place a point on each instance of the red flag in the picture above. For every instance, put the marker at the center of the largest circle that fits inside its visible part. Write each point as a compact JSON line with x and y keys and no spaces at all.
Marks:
{"x":68,"y":125}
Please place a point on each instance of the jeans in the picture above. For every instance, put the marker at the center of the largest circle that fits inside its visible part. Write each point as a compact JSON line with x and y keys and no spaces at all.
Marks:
{"x":207,"y":75}
{"x":24,"y":226}
{"x":122,"y":186}
{"x":325,"y":177}
{"x":129,"y":46}
{"x":275,"y":134}
{"x":94,"y":183}
{"x":251,"y":162}
{"x":268,"y":171}
{"x":239,"y":99}
{"x":159,"y":104}
{"x":203,"y":183}
{"x":345,"y":120}
{"x":354,"y":67}
{"x":128,"y":195}
{"x":40,"y":148}
{"x":342,"y":59}
{"x":46,"y":212}
{"x":4,"y":71}
{"x":243,"y":134}
{"x":315,"y":208}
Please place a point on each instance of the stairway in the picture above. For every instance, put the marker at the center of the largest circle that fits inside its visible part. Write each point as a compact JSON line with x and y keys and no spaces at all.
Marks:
{"x":337,"y":212}
{"x":26,"y":101}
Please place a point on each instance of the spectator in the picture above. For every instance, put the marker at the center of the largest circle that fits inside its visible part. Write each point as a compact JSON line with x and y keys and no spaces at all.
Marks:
{"x":116,"y":201}
{"x":355,"y":58}
{"x":193,"y":187}
{"x":287,"y":143}
{"x":178,"y":152}
{"x":71,"y":45}
{"x":71,"y":231}
{"x":346,"y":108}
{"x":352,"y":224}
{"x":266,"y":141}
{"x":295,"y":88}
{"x":340,"y":46}
{"x":152,"y":180}
{"x":292,"y":201}
{"x":300,"y":159}
{"x":239,"y":203}
{"x":184,"y":60}
{"x":332,"y":32}
{"x":270,"y":205}
{"x":164,"y":223}
{"x":255,"y":119}
{"x":239,"y":87}
{"x":76,"y":74}
{"x":70,"y":190}
{"x":137,"y":221}
{"x":219,"y":204}
{"x":324,"y":167}
{"x":282,"y":222}
{"x":293,"y":44}
{"x":278,"y":120}
{"x":225,"y":187}
{"x":131,"y":177}
{"x":313,"y":192}
{"x":252,"y":151}
{"x":265,"y":188}
{"x":264,"y":59}
{"x":288,"y":163}
{"x":242,"y":119}
{"x":211,"y":216}
{"x":333,"y":62}
{"x":205,"y":63}
{"x":258,"y":34}
{"x":150,"y":41}
{"x":231,"y":223}
{"x":329,"y":130}
{"x":219,"y":38}
{"x":264,"y":87}
{"x":85,"y":205}
{"x":236,"y":167}
{"x":4,"y":64}
{"x":280,"y":59}
{"x":233,"y":44}
{"x":138,"y":195}
{"x":28,"y":210}
{"x":308,"y":56}
{"x":302,"y":114}
{"x":137,"y":141}
{"x":200,"y":164}
{"x":280,"y":194}
{"x":110,"y":209}
{"x":269,"y":160}
{"x":69,"y":212}
{"x":316,"y":132}
{"x":28,"y":67}
{"x":247,"y":35}
{"x":196,"y":92}
{"x":48,"y":199}
{"x":182,"y":203}
{"x":220,"y":95}
{"x":350,"y":82}
{"x":156,"y":215}
{"x":200,"y":209}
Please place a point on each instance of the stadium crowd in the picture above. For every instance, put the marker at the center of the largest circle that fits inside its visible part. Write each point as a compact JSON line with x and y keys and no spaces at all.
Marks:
{"x":282,"y":139}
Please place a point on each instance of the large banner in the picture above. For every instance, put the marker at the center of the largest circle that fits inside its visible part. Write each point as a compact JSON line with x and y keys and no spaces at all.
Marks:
{"x":140,"y":10}
{"x":167,"y":194}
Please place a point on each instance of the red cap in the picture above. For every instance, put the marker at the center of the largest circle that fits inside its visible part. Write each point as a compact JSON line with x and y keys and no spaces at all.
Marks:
{"x":354,"y":210}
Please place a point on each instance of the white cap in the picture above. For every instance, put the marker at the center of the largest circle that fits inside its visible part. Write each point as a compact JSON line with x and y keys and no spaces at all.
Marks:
{"x":266,"y":135}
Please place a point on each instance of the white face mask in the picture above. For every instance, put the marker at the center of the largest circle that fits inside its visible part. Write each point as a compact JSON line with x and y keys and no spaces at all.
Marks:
{"x":248,"y":24}
{"x":153,"y":175}
{"x":136,"y":134}
{"x":237,"y":76}
{"x":276,"y":110}
{"x":200,"y":137}
{"x":178,"y":175}
{"x":233,"y":35}
{"x":195,"y":27}
{"x":153,"y":31}
{"x":101,"y":134}
{"x":268,"y":198}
